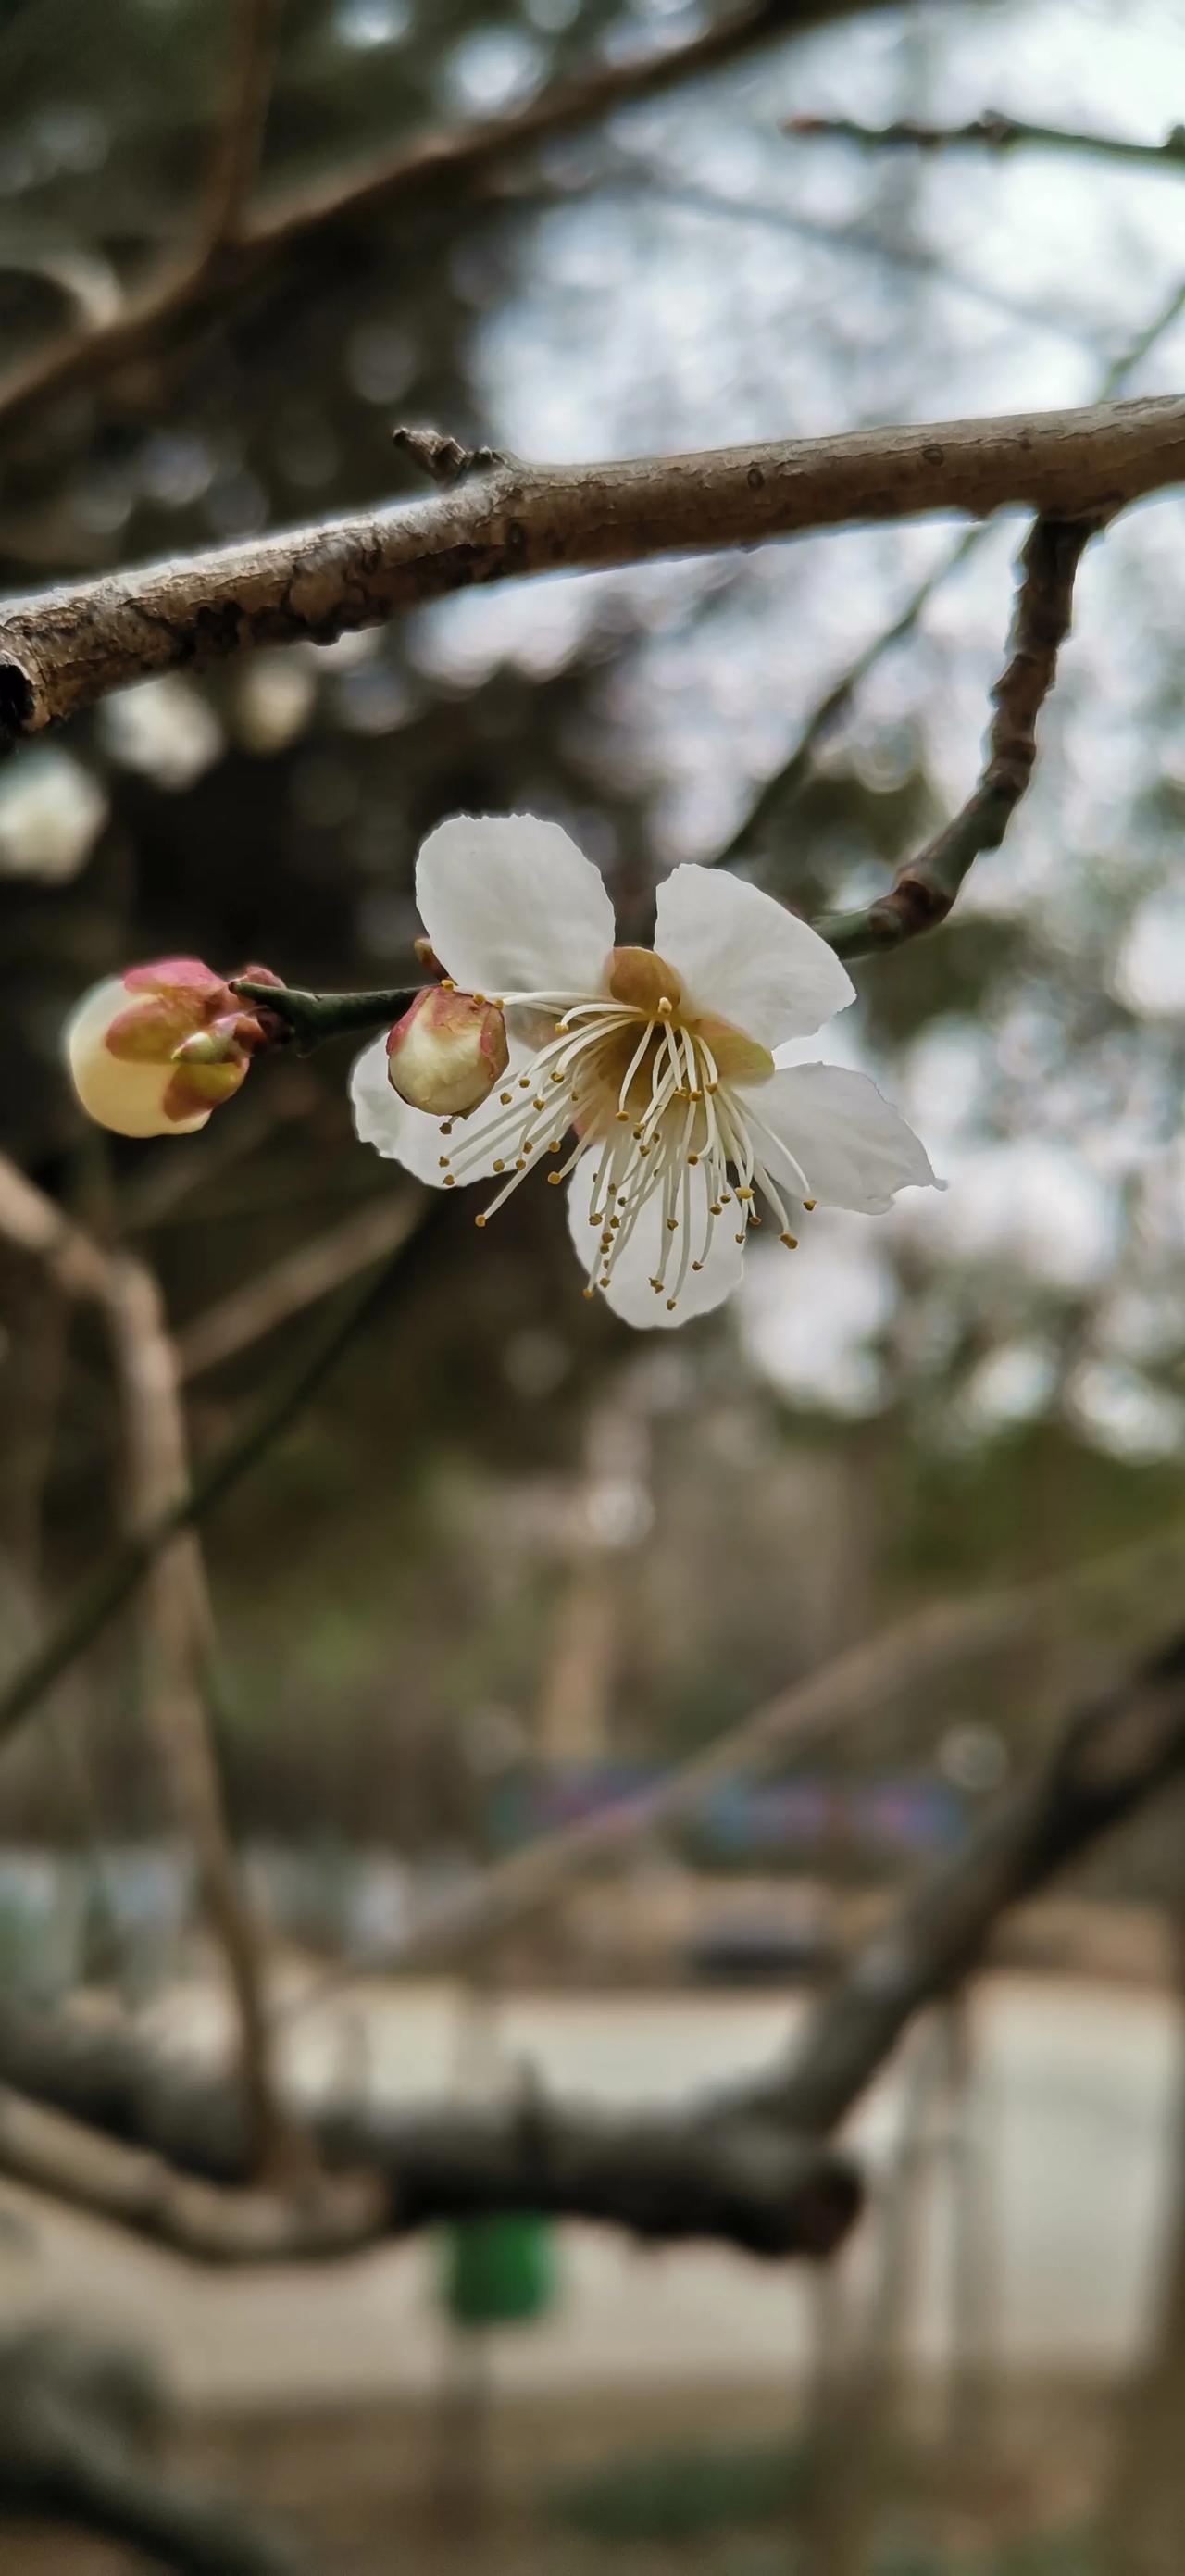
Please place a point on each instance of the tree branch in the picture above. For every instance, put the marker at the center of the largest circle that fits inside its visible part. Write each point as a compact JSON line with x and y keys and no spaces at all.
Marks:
{"x":1109,"y":1759}
{"x":65,"y":649}
{"x":179,"y":1633}
{"x":209,"y":2223}
{"x":116,"y":1578}
{"x":302,"y":1277}
{"x":73,"y":2422}
{"x":823,"y":1707}
{"x":238,"y":139}
{"x":164,"y":2152}
{"x":712,"y":2167}
{"x":234,"y":248}
{"x":183,"y":287}
{"x":995,"y":132}
{"x":829,"y":710}
{"x":925,"y":887}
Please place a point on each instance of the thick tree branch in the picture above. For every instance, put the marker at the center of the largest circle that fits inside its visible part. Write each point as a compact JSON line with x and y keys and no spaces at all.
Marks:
{"x":164,"y":2152}
{"x":996,"y":133}
{"x":926,"y":886}
{"x":234,"y":247}
{"x":63,"y":650}
{"x":712,"y":2167}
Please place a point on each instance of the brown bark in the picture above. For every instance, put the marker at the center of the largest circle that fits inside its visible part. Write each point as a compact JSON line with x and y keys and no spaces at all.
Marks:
{"x":64,"y":649}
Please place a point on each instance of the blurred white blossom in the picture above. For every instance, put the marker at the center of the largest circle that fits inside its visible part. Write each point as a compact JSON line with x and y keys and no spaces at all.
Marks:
{"x":164,"y":729}
{"x":273,"y":701}
{"x":52,"y":811}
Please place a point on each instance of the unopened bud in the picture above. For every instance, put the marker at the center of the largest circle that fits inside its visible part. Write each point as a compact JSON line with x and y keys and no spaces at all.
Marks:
{"x":447,"y":1052}
{"x":152,"y":1052}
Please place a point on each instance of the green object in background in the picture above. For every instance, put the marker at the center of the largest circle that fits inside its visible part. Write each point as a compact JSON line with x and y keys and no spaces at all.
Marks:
{"x":499,"y":2271}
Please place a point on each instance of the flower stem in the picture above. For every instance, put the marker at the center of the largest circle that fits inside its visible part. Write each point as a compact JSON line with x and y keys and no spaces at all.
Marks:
{"x":313,"y":1017}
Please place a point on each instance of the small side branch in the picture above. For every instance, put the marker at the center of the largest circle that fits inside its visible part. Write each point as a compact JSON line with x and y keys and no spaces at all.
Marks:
{"x":829,"y":709}
{"x":208,"y":2223}
{"x":994,"y":133}
{"x":177,"y":1629}
{"x":926,"y":886}
{"x":238,"y":138}
{"x":300,"y":1278}
{"x":118,"y":1575}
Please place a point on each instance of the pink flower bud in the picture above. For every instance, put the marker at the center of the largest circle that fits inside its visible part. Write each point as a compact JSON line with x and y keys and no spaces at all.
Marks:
{"x":152,"y":1052}
{"x":447,"y":1052}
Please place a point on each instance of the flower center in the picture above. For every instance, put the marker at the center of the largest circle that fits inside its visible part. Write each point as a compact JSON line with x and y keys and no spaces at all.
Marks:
{"x":650,"y":1087}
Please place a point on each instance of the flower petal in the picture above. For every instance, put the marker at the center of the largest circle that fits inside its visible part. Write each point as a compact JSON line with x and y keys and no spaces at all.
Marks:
{"x":181,"y":978}
{"x":511,"y":905}
{"x":745,"y":958}
{"x":629,"y":1292}
{"x":853,"y":1146}
{"x":413,"y":1136}
{"x":127,"y":1097}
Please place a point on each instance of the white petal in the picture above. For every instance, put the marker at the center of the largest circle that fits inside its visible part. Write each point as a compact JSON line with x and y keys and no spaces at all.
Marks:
{"x":411,"y":1136}
{"x":854,"y":1147}
{"x":629,"y":1292}
{"x":745,"y":958}
{"x":512,"y":906}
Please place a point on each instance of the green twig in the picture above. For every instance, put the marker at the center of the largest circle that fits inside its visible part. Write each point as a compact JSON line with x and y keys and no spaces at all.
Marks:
{"x":313,"y":1017}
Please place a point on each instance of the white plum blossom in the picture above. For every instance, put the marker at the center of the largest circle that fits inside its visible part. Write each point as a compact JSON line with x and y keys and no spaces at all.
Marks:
{"x":670,"y":1069}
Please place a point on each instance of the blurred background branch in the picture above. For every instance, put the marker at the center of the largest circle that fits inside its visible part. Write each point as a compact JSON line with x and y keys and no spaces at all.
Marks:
{"x":996,"y":133}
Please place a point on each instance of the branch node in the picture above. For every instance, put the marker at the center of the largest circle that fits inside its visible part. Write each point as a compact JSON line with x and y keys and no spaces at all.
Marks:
{"x":443,"y":459}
